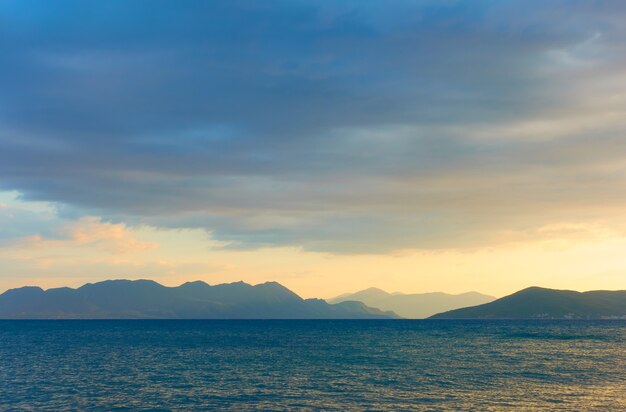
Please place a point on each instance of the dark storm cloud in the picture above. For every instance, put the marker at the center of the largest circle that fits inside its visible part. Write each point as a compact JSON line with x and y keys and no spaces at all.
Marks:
{"x":317,"y":124}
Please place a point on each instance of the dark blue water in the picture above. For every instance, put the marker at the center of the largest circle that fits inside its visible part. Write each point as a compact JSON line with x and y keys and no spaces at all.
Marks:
{"x":327,"y":365}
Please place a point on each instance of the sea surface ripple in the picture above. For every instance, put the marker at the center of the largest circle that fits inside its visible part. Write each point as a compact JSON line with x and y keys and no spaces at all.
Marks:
{"x":163,"y":365}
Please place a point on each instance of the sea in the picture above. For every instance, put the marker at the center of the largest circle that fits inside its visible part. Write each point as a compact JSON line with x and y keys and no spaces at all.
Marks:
{"x":328,"y":365}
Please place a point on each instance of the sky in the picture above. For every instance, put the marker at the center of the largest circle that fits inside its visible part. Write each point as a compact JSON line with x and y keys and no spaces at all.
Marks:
{"x":414,"y":146}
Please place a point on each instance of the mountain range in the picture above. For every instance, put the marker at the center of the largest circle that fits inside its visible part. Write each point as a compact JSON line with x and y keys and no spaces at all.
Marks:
{"x":416,"y":305}
{"x":140,"y":299}
{"x":538,"y":303}
{"x":146,"y":299}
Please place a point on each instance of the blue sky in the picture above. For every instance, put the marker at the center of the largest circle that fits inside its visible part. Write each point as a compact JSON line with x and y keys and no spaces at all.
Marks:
{"x":347,"y":128}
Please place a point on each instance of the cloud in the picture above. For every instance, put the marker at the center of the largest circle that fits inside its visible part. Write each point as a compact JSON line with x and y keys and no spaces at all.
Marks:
{"x":353,"y":128}
{"x":86,"y":232}
{"x":93,"y":231}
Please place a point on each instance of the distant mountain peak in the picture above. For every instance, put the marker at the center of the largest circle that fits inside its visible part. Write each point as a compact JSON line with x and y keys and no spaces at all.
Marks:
{"x":271,"y":285}
{"x":30,"y":290}
{"x":120,"y":282}
{"x":375,"y":290}
{"x":271,"y":282}
{"x":416,"y":305}
{"x":531,"y":289}
{"x":369,"y":293}
{"x":195,"y":283}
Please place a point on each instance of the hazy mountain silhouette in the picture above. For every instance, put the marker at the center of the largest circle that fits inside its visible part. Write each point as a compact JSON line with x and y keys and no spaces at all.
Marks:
{"x":417,"y":305}
{"x":117,"y":299}
{"x":538,"y":302}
